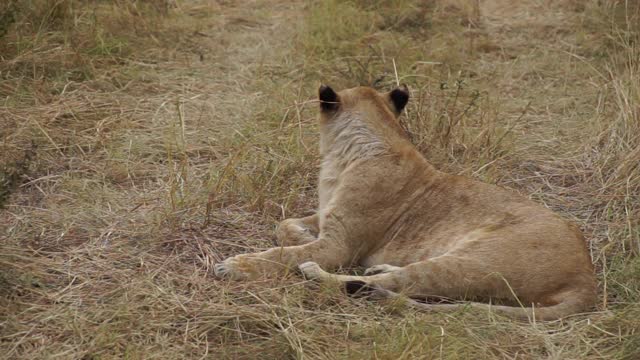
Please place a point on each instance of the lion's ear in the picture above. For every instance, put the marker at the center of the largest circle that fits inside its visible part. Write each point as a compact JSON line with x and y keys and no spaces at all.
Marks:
{"x":329,"y":100}
{"x":399,"y":98}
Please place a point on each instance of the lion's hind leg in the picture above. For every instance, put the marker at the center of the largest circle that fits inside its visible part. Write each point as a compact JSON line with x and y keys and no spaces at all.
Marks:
{"x":381,"y":279}
{"x":444,"y":277}
{"x":355,"y":286}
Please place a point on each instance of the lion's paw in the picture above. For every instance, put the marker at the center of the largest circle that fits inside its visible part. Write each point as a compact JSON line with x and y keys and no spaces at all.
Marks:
{"x":311,"y":270}
{"x":380,"y":269}
{"x":232,"y":268}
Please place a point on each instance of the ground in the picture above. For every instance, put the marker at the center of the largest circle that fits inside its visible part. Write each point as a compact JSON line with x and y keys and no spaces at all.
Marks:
{"x":142,"y":142}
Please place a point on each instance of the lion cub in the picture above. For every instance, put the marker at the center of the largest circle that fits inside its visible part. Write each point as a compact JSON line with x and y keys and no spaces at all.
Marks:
{"x":419,"y":231}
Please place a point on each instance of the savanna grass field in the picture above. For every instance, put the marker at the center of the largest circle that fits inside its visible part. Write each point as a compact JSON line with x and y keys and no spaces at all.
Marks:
{"x":141,"y":142}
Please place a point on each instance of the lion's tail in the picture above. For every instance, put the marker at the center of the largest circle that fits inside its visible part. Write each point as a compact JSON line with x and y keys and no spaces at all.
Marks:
{"x":552,"y":312}
{"x":572,"y":302}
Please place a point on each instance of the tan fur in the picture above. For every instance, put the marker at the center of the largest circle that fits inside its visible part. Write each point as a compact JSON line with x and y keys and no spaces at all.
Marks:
{"x":424,"y":232}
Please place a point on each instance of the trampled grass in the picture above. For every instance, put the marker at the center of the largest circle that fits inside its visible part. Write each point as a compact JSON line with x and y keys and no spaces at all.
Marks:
{"x":142,"y":142}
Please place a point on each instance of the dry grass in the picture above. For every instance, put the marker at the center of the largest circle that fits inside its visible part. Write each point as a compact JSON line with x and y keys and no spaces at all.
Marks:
{"x":142,"y":142}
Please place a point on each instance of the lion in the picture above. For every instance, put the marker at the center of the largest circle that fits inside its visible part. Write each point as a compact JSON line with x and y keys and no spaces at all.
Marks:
{"x":420,"y":232}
